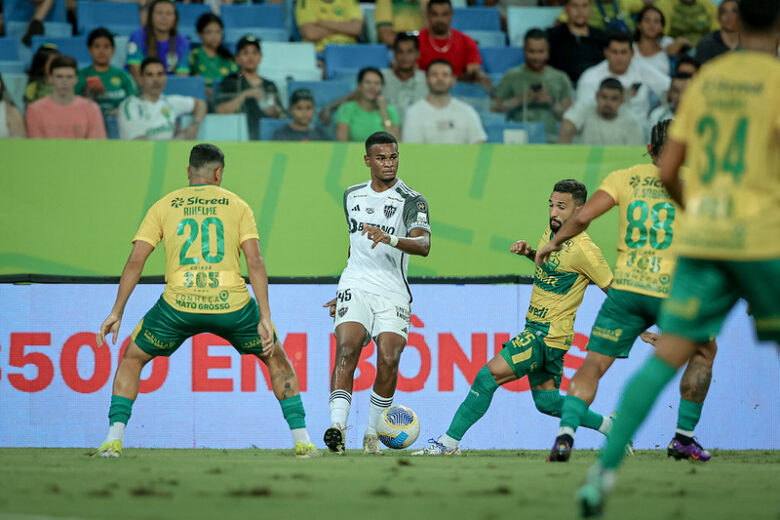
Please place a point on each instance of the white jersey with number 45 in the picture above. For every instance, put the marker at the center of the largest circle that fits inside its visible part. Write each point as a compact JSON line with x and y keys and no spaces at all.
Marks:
{"x":396,"y":211}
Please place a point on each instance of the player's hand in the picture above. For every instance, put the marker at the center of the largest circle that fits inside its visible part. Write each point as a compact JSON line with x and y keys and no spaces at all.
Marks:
{"x":544,"y":253}
{"x":520,"y":247}
{"x":649,"y":337}
{"x":109,"y":326}
{"x":331,"y":307}
{"x":375,"y":234}
{"x":266,"y":331}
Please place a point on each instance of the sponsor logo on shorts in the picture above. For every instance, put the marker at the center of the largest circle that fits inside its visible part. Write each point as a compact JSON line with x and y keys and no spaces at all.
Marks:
{"x":151,"y":338}
{"x":534,"y":367}
{"x":257,"y":342}
{"x":342,"y":311}
{"x":608,"y":334}
{"x":402,"y":313}
{"x":405,"y":330}
{"x":390,"y":210}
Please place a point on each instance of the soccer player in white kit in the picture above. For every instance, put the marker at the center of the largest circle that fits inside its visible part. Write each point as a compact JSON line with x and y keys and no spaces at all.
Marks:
{"x":387,"y":222}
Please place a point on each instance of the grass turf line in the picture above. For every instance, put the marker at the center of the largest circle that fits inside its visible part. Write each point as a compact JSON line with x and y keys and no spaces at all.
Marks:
{"x":483,"y":485}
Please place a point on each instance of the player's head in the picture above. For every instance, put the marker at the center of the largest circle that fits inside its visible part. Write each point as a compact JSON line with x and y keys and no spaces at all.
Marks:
{"x":100,"y":44}
{"x":578,"y":12}
{"x":658,"y":135}
{"x":759,"y":16}
{"x":153,"y":78}
{"x":382,"y":156}
{"x":207,"y":163}
{"x":439,"y":16}
{"x":568,"y":195}
{"x":609,"y":97}
{"x":439,"y":77}
{"x":64,"y":75}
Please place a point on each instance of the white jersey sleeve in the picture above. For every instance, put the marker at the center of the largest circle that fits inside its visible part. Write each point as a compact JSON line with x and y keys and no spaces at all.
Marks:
{"x":130,"y":120}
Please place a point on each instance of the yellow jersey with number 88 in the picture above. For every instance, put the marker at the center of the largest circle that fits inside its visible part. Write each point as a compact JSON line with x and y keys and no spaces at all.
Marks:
{"x":729,"y":119}
{"x":202,"y":228}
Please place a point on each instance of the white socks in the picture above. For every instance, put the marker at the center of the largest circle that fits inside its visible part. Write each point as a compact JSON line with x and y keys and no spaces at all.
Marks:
{"x":565,"y":430}
{"x":116,"y":432}
{"x":300,"y":435}
{"x":339,"y":408}
{"x":606,"y":425}
{"x":378,"y":404}
{"x":448,"y":441}
{"x":685,"y":433}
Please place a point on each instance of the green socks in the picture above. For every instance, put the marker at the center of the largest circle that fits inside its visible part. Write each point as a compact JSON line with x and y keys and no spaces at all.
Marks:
{"x":120,"y":410}
{"x":573,"y":413}
{"x":292,"y":408}
{"x":638,"y":398}
{"x":688,"y":416}
{"x":551,"y":402}
{"x":475,"y":405}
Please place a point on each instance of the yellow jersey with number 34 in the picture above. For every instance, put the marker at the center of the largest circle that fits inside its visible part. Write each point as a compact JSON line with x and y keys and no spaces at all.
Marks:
{"x":646,"y":233}
{"x":559,"y":285}
{"x":729,"y":119}
{"x":202,"y":228}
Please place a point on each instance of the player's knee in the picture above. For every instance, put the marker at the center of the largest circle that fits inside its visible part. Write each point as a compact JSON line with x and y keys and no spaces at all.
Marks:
{"x":347,"y":354}
{"x":548,"y":404}
{"x":388,"y":359}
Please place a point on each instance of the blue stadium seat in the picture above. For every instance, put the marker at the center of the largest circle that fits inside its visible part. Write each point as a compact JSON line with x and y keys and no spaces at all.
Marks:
{"x":476,"y":18}
{"x":473,"y":95}
{"x":73,"y":46}
{"x":12,"y":67}
{"x":270,"y":34}
{"x":14,"y":83}
{"x":193,"y":86}
{"x":521,"y":19}
{"x":492,"y":118}
{"x":117,"y":17}
{"x":534,"y":132}
{"x":253,"y":16}
{"x":9,"y":49}
{"x":497,"y":60}
{"x":268,"y":126}
{"x":487,"y":38}
{"x":355,"y":57}
{"x":224,"y":127}
{"x":188,"y":19}
{"x":324,"y":91}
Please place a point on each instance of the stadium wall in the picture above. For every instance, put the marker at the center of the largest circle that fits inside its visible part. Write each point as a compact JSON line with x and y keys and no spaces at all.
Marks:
{"x":55,"y":383}
{"x":70,"y":208}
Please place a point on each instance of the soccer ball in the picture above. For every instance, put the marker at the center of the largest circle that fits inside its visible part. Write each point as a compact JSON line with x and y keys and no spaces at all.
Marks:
{"x":398,"y":427}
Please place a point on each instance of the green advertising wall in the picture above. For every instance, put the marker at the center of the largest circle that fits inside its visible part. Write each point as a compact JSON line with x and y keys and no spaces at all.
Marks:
{"x":71,"y":207}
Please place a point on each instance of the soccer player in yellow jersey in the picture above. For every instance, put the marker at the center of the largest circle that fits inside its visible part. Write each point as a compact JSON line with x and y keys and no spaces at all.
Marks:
{"x":204,"y":229}
{"x":728,"y":131}
{"x":538,"y":351}
{"x":643,"y":275}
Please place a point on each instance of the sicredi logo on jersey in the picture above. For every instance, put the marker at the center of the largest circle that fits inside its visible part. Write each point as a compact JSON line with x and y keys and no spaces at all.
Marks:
{"x":178,"y":201}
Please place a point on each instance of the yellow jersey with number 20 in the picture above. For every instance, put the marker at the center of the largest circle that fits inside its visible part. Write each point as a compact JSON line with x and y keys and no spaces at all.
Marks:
{"x":728,"y":119}
{"x":202,"y":228}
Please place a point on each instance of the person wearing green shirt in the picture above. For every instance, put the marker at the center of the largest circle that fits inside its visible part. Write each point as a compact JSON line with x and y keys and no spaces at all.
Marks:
{"x":535,"y":91}
{"x":368,"y":111}
{"x":211,"y":60}
{"x":107,"y":85}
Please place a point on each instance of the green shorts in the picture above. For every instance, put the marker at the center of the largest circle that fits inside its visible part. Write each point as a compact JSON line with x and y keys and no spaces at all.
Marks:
{"x":704,"y":291}
{"x":528,"y":355}
{"x":623,"y":316}
{"x":163,"y":329}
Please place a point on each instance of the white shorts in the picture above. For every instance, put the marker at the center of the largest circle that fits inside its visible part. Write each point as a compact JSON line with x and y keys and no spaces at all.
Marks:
{"x":376,"y":313}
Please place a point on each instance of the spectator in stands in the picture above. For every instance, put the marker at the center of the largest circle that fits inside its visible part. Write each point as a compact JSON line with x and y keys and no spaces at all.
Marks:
{"x":368,"y":112}
{"x":211,"y":60}
{"x":602,"y":123}
{"x":440,"y":41}
{"x":610,"y":15}
{"x":42,"y":8}
{"x":440,"y":118}
{"x":575,"y":45}
{"x":247,"y":92}
{"x":393,"y":16}
{"x":153,"y":115}
{"x":687,"y":64}
{"x":302,"y":110}
{"x":667,"y":110}
{"x":11,"y":120}
{"x":101,"y":81}
{"x":329,"y":21}
{"x":62,"y":114}
{"x":159,"y":38}
{"x":639,"y":80}
{"x":689,"y":19}
{"x":535,"y":91}
{"x":651,"y":47}
{"x":724,"y":40}
{"x":404,"y":82}
{"x":39,"y":75}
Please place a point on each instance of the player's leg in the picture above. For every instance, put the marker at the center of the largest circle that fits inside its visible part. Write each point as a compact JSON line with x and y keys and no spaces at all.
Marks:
{"x":694,"y":385}
{"x":390,"y":345}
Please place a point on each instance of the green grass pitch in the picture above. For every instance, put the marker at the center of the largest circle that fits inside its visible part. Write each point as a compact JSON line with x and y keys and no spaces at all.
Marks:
{"x":37,"y":483}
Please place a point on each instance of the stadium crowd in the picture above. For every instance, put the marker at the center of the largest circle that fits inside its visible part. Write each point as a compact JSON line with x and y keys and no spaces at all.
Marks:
{"x":602,"y":73}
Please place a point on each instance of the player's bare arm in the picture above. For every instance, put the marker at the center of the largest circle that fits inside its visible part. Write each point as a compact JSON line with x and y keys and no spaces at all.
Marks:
{"x":597,"y":205}
{"x":669,"y":165}
{"x":129,"y":279}
{"x":417,"y":243}
{"x":522,"y":248}
{"x":258,"y":277}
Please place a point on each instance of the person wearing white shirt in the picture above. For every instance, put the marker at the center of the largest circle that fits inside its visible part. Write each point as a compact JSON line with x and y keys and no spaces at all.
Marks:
{"x":604,"y":122}
{"x":639,"y":80}
{"x":651,"y":46}
{"x":404,"y":82}
{"x":439,"y":118}
{"x":680,"y":82}
{"x":153,"y":115}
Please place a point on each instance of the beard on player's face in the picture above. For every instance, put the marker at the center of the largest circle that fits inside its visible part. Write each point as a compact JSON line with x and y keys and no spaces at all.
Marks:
{"x":555,"y":224}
